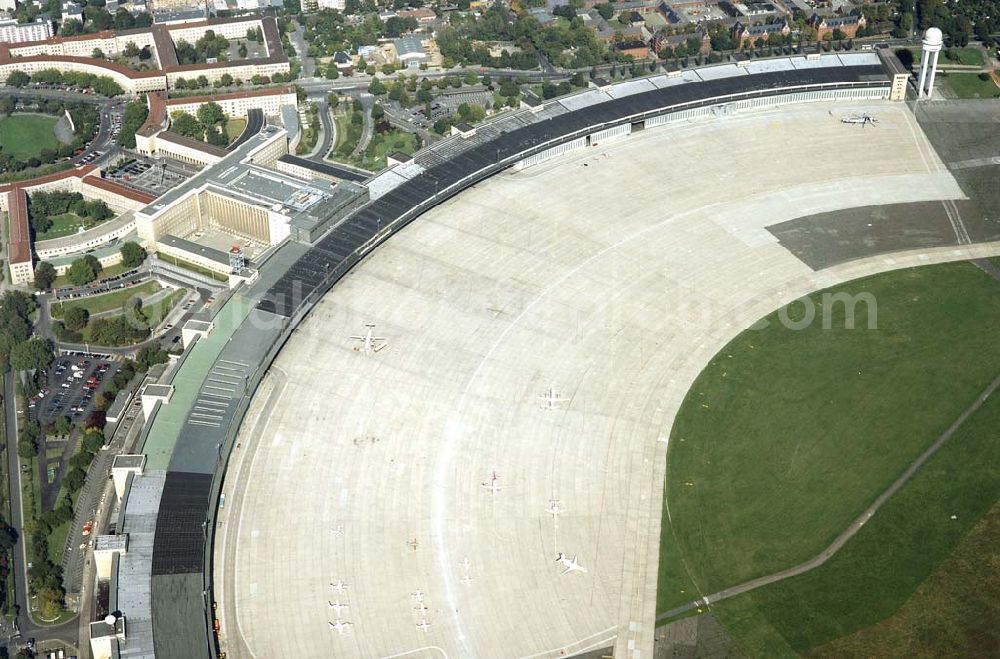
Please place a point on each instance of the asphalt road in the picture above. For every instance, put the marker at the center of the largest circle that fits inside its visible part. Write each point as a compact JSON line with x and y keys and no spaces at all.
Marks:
{"x":328,"y":132}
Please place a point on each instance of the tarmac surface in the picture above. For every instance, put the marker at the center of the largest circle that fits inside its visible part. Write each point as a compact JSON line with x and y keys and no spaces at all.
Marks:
{"x":611,"y":276}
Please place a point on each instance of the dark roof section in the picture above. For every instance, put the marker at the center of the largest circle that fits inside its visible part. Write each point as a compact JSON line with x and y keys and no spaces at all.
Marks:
{"x":329,"y":169}
{"x":180,"y":541}
{"x":338,"y":251}
{"x":164,"y":44}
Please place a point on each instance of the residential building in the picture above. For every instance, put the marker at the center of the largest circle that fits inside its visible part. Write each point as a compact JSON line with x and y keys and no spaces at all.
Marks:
{"x":13,"y":32}
{"x":825,"y":25}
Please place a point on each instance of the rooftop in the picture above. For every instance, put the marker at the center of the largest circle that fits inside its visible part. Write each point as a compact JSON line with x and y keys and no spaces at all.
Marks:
{"x":194,"y":248}
{"x":111,"y":543}
{"x":20,"y":235}
{"x":163,"y":390}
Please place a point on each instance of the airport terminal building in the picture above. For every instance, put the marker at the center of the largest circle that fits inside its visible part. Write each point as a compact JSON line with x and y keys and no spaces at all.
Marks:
{"x":317,"y":231}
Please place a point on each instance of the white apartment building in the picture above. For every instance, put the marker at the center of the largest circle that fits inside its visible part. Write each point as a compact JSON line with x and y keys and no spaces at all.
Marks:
{"x":13,"y":32}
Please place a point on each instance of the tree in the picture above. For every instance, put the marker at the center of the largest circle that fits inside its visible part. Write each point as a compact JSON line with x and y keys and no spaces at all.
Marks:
{"x":74,"y":479}
{"x":131,"y":50}
{"x":45,"y":275}
{"x":50,"y":603}
{"x":34,"y":354}
{"x":84,"y":270}
{"x":150,"y":355}
{"x":26,"y":449}
{"x":134,"y":116}
{"x":133,"y":255}
{"x":63,"y":426}
{"x":18,"y":79}
{"x":376,"y":87}
{"x":93,"y":441}
{"x":75,"y":318}
{"x":226,"y":80}
{"x":184,"y":124}
{"x":210,"y":114}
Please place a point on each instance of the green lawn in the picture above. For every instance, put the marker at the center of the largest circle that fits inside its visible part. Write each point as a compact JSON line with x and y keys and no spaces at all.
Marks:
{"x":968,"y":85}
{"x":964,"y":56}
{"x":383,"y":144}
{"x":25,"y":135}
{"x":235,"y":127}
{"x":889,"y":559}
{"x":57,"y":541}
{"x":968,"y":56}
{"x":787,"y":436}
{"x":960,"y":600}
{"x":106,"y":302}
{"x":157,"y":311}
{"x":66,"y":224}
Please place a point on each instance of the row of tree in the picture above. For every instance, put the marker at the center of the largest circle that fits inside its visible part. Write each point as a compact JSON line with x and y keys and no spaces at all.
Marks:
{"x":102,"y":85}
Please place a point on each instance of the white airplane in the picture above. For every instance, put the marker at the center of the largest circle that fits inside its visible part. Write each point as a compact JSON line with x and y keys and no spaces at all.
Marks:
{"x":418,"y":595}
{"x":423,"y":625}
{"x":421,"y":607}
{"x":466,"y":564}
{"x":337,"y":607}
{"x":370,"y":344}
{"x":339,"y":587}
{"x":860,"y":119}
{"x":554,"y":509}
{"x":491,"y":484}
{"x":570,"y":564}
{"x":341,"y":626}
{"x":550,"y":399}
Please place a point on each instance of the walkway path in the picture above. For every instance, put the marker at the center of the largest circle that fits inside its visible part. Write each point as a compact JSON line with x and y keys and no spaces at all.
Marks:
{"x":851,"y":530}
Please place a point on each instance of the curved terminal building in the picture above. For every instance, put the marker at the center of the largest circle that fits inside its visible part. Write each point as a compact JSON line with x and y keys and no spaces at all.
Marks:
{"x":481,"y":474}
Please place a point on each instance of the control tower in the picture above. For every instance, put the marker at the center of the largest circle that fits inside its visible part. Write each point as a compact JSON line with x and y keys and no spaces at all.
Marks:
{"x":932,"y":44}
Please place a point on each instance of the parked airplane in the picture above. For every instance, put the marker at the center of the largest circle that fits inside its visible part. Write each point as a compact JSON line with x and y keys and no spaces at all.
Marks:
{"x":418,"y":595}
{"x":550,"y":399}
{"x":554,"y":509}
{"x":370,"y":344}
{"x":423,"y":625}
{"x":341,"y":626}
{"x":570,"y":564}
{"x":491,"y":484}
{"x":862,"y":119}
{"x":339,"y":587}
{"x":337,"y":607}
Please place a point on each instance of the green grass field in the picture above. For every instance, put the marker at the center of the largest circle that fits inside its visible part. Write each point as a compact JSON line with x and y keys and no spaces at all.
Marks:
{"x":66,"y":224}
{"x":383,"y":144}
{"x":25,"y":135}
{"x":788,"y":435}
{"x":889,"y":559}
{"x":157,"y":311}
{"x":234,"y":128}
{"x":964,"y":56}
{"x":968,"y":85}
{"x":959,"y":601}
{"x":106,"y":302}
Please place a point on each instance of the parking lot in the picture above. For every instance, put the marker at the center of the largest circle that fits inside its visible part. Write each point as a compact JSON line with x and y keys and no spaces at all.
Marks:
{"x":73,"y":381}
{"x":149,"y":176}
